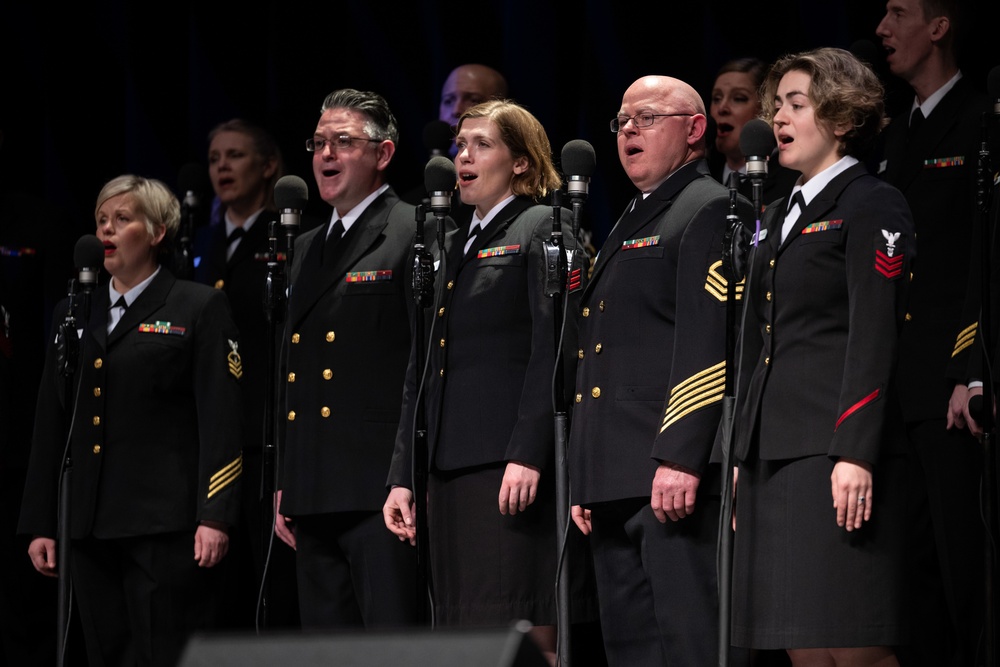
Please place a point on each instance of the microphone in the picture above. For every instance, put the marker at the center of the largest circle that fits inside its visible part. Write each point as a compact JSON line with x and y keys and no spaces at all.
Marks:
{"x":88,"y":257}
{"x":757,"y":141}
{"x":578,"y":162}
{"x":438,"y":137}
{"x":193,"y":182}
{"x":993,"y":86}
{"x":439,"y":182}
{"x":291,"y":194}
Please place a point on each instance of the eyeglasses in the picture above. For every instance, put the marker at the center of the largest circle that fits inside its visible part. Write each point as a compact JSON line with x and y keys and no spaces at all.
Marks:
{"x":640,"y":120}
{"x":341,"y":142}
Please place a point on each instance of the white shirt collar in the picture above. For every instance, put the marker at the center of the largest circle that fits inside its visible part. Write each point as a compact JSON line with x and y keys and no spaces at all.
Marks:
{"x":351,"y":216}
{"x":934,"y":98}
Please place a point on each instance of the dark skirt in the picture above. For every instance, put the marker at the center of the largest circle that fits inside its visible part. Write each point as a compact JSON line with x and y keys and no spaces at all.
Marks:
{"x":799,"y":580}
{"x":489,"y":569}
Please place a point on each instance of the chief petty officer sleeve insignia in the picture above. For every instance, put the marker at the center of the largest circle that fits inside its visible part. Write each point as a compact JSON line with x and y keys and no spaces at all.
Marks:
{"x":965,"y":338}
{"x":888,"y":262}
{"x":235,"y":362}
{"x":717,"y":285}
{"x":698,"y":391}
{"x":225,"y":476}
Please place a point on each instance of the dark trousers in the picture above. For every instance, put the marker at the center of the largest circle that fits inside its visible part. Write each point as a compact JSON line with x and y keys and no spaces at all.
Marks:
{"x":140,"y":598}
{"x":352,"y":572}
{"x":945,"y":546}
{"x":656,"y":583}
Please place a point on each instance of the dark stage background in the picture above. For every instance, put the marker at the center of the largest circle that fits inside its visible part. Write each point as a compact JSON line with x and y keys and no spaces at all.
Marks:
{"x":93,"y":92}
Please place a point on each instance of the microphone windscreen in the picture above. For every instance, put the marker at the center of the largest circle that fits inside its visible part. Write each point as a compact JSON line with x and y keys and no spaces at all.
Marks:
{"x":438,"y":137}
{"x":193,"y":177}
{"x":993,"y":83}
{"x":578,"y":158}
{"x":757,"y":138}
{"x":865,"y":51}
{"x":89,"y":252}
{"x":291,"y":192}
{"x":439,"y":175}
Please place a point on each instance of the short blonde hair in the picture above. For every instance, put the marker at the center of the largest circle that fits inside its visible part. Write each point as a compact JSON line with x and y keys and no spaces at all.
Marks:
{"x":844,"y":93}
{"x":153,"y":200}
{"x":525,"y":137}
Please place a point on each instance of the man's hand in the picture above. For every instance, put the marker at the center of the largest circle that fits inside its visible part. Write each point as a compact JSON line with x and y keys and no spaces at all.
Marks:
{"x":211,"y":543}
{"x":675,"y":489}
{"x":581,"y":518}
{"x":42,"y":552}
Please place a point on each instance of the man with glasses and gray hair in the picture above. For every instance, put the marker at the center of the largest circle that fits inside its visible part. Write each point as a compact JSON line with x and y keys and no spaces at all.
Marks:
{"x":650,"y":382}
{"x":346,"y":347}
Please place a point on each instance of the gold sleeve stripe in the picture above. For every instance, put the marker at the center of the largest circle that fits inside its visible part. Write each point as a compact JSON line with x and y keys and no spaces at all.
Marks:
{"x":965,"y":338}
{"x":698,"y":391}
{"x":225,"y":476}
{"x":717,"y":285}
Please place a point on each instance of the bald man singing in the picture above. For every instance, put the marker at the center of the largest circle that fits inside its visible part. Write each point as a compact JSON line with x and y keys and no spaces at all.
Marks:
{"x":649,"y":388}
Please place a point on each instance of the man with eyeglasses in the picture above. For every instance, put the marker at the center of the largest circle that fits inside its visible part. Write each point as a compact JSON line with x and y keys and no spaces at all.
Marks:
{"x":650,"y":382}
{"x":346,"y":347}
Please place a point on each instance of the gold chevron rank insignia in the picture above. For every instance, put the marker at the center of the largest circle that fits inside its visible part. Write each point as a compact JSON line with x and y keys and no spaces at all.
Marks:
{"x":235,"y":362}
{"x":699,"y":390}
{"x":965,"y":338}
{"x":226,"y":476}
{"x":717,"y":285}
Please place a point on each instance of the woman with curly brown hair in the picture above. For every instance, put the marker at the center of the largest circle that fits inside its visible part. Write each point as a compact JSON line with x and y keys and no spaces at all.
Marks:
{"x":818,"y":552}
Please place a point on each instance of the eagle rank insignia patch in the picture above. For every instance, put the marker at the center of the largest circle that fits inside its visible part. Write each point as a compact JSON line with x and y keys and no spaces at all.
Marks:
{"x":235,"y":362}
{"x":888,"y":261}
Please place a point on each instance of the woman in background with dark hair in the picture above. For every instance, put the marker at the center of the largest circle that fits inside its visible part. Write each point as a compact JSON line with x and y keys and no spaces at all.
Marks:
{"x":735,"y":101}
{"x":819,"y":545}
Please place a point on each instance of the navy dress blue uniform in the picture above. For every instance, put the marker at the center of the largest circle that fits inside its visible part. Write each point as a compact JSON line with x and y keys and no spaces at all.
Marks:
{"x":934,"y":167}
{"x":489,"y":402}
{"x":346,"y":348}
{"x":820,"y":336}
{"x":650,"y":383}
{"x":155,"y":444}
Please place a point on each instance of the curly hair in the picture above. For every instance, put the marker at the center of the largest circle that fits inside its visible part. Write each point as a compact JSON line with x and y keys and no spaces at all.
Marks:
{"x":525,"y":137}
{"x":844,"y":93}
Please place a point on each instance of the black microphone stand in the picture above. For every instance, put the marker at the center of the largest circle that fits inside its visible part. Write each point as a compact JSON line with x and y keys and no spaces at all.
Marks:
{"x":556,"y":274}
{"x":275,"y":305}
{"x":184,"y":257}
{"x":734,"y":268}
{"x":68,"y":346}
{"x":989,"y":487}
{"x":423,"y":297}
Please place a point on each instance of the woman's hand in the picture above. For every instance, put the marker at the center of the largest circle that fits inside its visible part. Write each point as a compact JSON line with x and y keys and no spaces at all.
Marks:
{"x":519,"y":487}
{"x":400,"y":514}
{"x":851,"y":485}
{"x":581,"y":517}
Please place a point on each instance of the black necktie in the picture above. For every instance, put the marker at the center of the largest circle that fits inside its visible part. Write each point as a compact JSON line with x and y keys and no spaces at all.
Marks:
{"x":233,"y":237}
{"x":332,"y":239}
{"x":916,"y":120}
{"x":796,"y":198}
{"x":120,"y":303}
{"x":473,"y":233}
